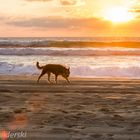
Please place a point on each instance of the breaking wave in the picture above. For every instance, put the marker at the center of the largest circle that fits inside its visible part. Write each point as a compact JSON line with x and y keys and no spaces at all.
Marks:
{"x":76,"y":71}
{"x":70,"y":42}
{"x":70,"y":51}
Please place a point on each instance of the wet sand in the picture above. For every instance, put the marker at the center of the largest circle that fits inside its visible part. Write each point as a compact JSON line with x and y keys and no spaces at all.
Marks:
{"x":86,"y":109}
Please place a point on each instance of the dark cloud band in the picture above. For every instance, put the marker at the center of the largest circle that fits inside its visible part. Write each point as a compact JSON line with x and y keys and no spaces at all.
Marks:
{"x":58,"y":22}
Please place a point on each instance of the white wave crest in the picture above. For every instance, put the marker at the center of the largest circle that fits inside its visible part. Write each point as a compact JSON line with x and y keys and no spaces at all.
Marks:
{"x":70,"y":51}
{"x":79,"y":71}
{"x":106,"y":71}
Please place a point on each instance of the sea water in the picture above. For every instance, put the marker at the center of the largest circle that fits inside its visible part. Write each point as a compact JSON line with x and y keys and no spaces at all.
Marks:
{"x":17,"y":57}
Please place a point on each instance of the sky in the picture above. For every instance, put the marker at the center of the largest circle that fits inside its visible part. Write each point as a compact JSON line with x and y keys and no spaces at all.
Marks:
{"x":69,"y":18}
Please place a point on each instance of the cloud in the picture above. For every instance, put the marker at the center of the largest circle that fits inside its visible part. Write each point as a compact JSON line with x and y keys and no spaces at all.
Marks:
{"x":55,"y":26}
{"x":59,"y":22}
{"x":136,"y":11}
{"x":38,"y":0}
{"x":72,"y":2}
{"x":62,"y":2}
{"x":70,"y":26}
{"x":68,"y":2}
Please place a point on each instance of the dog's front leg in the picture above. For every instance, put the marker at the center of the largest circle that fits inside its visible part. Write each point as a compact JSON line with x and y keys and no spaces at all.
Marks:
{"x":67,"y":80}
{"x":56,"y":78}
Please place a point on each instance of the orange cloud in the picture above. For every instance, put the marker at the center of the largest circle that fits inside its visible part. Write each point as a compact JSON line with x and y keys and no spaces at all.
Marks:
{"x":38,"y":0}
{"x":60,"y":26}
{"x":68,"y":2}
{"x":59,"y":22}
{"x":62,"y":2}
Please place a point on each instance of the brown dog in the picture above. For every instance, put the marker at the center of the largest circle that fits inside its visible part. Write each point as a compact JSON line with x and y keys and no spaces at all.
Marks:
{"x":56,"y":69}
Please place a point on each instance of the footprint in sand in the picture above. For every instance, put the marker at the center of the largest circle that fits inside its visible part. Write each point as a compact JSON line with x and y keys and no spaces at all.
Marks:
{"x":96,"y":135}
{"x":36,"y":103}
{"x":118,"y":117}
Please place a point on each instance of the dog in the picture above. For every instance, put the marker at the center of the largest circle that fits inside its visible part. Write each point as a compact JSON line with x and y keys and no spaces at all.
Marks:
{"x":56,"y":69}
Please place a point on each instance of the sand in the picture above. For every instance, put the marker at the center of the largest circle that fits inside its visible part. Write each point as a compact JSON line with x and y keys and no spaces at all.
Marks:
{"x":87,"y":109}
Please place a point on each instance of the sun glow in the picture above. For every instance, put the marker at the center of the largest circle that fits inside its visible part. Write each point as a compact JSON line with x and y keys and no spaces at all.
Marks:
{"x":118,"y":15}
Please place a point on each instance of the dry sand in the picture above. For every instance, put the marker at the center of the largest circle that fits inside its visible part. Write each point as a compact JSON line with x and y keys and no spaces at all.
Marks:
{"x":87,"y":109}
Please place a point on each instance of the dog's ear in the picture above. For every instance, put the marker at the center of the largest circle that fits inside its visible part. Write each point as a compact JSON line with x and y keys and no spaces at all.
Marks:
{"x":68,"y":68}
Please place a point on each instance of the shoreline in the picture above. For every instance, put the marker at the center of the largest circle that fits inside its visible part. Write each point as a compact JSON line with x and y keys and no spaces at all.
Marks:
{"x":75,"y":78}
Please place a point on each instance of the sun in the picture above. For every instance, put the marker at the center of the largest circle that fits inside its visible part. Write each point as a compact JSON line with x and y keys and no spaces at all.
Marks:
{"x":118,"y":15}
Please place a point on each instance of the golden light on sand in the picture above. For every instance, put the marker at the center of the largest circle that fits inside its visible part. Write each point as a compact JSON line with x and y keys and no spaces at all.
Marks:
{"x":19,"y":121}
{"x":118,"y":15}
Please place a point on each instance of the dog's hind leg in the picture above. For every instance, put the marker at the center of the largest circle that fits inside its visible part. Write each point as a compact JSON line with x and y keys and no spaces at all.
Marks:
{"x":40,"y":76}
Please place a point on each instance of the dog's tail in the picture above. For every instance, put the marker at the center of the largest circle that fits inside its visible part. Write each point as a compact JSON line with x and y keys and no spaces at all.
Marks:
{"x":37,"y":65}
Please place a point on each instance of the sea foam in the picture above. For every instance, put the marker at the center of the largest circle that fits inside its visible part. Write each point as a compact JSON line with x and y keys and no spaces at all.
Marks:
{"x":76,"y":71}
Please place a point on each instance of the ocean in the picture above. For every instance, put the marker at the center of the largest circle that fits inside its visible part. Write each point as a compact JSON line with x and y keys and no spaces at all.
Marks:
{"x":87,"y":57}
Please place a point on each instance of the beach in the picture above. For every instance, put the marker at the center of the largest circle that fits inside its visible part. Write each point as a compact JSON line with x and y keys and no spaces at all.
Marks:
{"x":85,"y":109}
{"x":93,"y":44}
